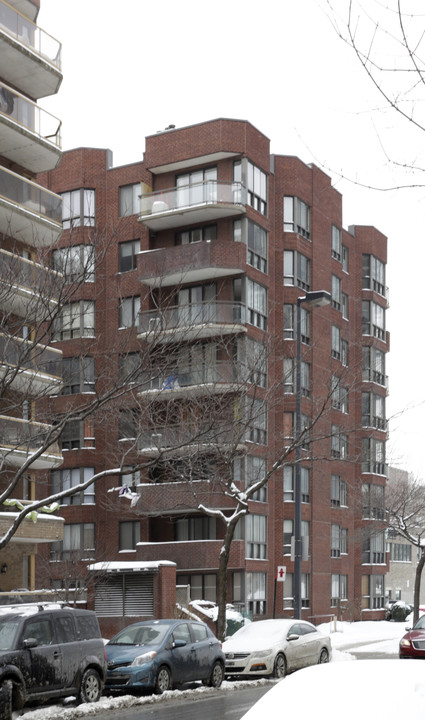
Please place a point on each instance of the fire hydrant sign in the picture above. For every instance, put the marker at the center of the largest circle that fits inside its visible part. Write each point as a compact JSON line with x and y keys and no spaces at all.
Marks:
{"x":281,"y":573}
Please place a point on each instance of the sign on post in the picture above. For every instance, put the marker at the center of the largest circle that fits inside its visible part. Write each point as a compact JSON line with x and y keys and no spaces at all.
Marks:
{"x":281,"y":573}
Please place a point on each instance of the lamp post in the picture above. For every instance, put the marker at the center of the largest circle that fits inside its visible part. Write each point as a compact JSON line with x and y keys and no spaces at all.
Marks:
{"x":317,"y":298}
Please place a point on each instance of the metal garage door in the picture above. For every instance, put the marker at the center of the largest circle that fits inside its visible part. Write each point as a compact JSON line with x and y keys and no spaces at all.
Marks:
{"x":125,"y":596}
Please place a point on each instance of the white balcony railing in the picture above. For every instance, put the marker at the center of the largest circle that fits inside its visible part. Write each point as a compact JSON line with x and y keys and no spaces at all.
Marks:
{"x":28,"y":33}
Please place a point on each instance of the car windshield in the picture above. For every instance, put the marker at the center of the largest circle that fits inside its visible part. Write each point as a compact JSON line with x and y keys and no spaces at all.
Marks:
{"x":8,"y":630}
{"x":420,"y":625}
{"x":140,"y":635}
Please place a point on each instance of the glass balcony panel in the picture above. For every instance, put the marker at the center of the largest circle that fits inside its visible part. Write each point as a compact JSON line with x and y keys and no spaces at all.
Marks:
{"x":206,"y":319}
{"x":21,"y":438}
{"x":27,"y":289}
{"x":29,"y":115}
{"x":29,"y":34}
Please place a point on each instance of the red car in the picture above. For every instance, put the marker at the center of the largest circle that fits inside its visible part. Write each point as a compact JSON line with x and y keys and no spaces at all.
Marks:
{"x":412,"y":645}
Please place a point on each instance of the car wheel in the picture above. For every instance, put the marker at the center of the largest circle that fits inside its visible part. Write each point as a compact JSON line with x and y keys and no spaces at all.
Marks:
{"x":6,"y":700}
{"x":279,"y":668}
{"x":163,"y":680}
{"x":91,"y":686}
{"x":216,"y":677}
{"x":324,"y":656}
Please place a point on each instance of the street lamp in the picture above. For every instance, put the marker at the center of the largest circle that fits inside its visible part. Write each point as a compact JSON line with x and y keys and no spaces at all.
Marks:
{"x":317,"y":298}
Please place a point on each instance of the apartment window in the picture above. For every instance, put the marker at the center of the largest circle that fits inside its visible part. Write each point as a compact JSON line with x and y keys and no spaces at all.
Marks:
{"x":129,"y":479}
{"x":256,"y":536}
{"x":336,"y":342}
{"x":196,"y":304}
{"x":289,"y":377}
{"x":76,"y":320}
{"x":373,"y":456}
{"x":257,"y":304}
{"x":289,"y":429}
{"x":249,"y":470}
{"x":256,"y":184}
{"x":76,"y":263}
{"x":257,"y":421}
{"x":305,"y":590}
{"x":296,"y":269}
{"x":336,"y":292}
{"x":196,"y":187}
{"x":257,"y":247}
{"x":78,"y":541}
{"x":336,"y":243}
{"x":256,"y":362}
{"x":373,"y":549}
{"x":195,"y":528}
{"x":373,"y":319}
{"x":78,"y":375}
{"x":339,"y":591}
{"x":373,"y":365}
{"x":373,"y":411}
{"x":339,"y":536}
{"x":373,"y":592}
{"x":344,"y":308}
{"x":344,"y":353}
{"x":289,"y":323}
{"x":129,"y":534}
{"x":345,"y":258}
{"x":296,"y":216}
{"x":338,"y":492}
{"x":129,"y":199}
{"x":373,"y":274}
{"x":129,"y":310}
{"x":289,"y":483}
{"x":127,"y":255}
{"x":401,"y":553}
{"x":129,"y":367}
{"x":78,"y":434}
{"x":127,"y":424}
{"x":69,"y":478}
{"x":339,"y":443}
{"x":373,"y":500}
{"x":194,"y":235}
{"x":255,"y":592}
{"x":202,"y":587}
{"x":78,"y":208}
{"x":339,"y":395}
{"x":288,"y":533}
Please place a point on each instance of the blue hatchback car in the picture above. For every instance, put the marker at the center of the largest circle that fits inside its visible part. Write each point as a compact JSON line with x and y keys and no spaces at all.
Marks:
{"x":161,"y":654}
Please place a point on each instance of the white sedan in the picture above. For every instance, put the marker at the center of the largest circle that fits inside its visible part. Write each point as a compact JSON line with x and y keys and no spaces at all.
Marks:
{"x":275,"y":647}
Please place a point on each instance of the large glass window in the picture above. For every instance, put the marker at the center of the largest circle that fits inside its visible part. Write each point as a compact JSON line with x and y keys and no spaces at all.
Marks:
{"x":70,"y":478}
{"x":257,"y":247}
{"x":339,"y":540}
{"x":373,"y":365}
{"x":129,"y":534}
{"x":196,"y":187}
{"x":373,"y":456}
{"x":336,"y":292}
{"x":339,"y":443}
{"x":289,"y":483}
{"x":296,"y":269}
{"x":195,"y":528}
{"x":194,"y":235}
{"x":78,"y":434}
{"x":401,"y":552}
{"x":296,"y":216}
{"x":289,"y":377}
{"x":127,"y":252}
{"x":76,"y":263}
{"x":256,"y":183}
{"x":257,"y":421}
{"x":257,"y":304}
{"x":339,"y":589}
{"x":373,"y":549}
{"x":76,"y":320}
{"x":129,"y":310}
{"x":78,"y":541}
{"x":373,"y":411}
{"x":256,"y":536}
{"x":78,"y":208}
{"x":336,"y":243}
{"x":129,"y":199}
{"x":373,"y":319}
{"x":255,"y":592}
{"x":338,"y":492}
{"x":373,"y":274}
{"x":373,"y":592}
{"x":202,"y":587}
{"x":78,"y":375}
{"x":256,"y":362}
{"x":373,"y":499}
{"x":249,"y":470}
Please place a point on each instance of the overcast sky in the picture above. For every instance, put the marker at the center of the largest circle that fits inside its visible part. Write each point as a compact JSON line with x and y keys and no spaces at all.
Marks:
{"x":134,"y":67}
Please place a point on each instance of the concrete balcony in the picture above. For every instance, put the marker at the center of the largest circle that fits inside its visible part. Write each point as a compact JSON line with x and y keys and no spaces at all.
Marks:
{"x":192,"y":322}
{"x":30,"y":58}
{"x":35,"y":370}
{"x":180,"y":382}
{"x":27,"y":289}
{"x":29,"y":212}
{"x":191,"y":204}
{"x":29,"y":8}
{"x":182,"y":440}
{"x":193,"y":554}
{"x":48,"y":528}
{"x":21,"y":438}
{"x":197,"y":262}
{"x":29,"y":136}
{"x":175,"y":498}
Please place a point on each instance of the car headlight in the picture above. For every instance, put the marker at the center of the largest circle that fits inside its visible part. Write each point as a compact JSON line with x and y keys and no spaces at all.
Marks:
{"x":262,"y":653}
{"x":404,"y":642}
{"x":143,"y":659}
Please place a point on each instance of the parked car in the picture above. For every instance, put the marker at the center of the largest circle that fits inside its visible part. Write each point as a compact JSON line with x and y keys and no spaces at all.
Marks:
{"x":275,"y":647}
{"x":161,"y":654}
{"x":49,"y":651}
{"x":350,"y":689}
{"x":412,"y":644}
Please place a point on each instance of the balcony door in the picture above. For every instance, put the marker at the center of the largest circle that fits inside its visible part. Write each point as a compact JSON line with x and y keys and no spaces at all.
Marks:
{"x":197,"y":187}
{"x":196,"y":305}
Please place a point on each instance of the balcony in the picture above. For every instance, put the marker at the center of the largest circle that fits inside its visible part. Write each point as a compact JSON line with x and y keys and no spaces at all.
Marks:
{"x":27,"y":289}
{"x":21,"y":438}
{"x":197,"y":262}
{"x":29,"y":212}
{"x":28,"y":368}
{"x":29,"y":136}
{"x":192,"y":322}
{"x":190,"y":204}
{"x":175,"y":498}
{"x":48,"y":528}
{"x":26,"y":7}
{"x":180,"y":440}
{"x":30,"y":59}
{"x":180,"y":382}
{"x":193,"y":554}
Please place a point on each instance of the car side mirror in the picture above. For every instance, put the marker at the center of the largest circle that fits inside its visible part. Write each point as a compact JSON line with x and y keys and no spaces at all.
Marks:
{"x":408,"y":627}
{"x":179,"y":643}
{"x":293,"y":637}
{"x":30,"y":643}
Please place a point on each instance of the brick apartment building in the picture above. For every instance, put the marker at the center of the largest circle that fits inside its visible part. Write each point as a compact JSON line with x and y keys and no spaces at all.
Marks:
{"x":30,"y":222}
{"x":202,"y":250}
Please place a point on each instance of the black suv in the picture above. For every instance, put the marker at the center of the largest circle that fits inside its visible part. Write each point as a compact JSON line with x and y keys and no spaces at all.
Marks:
{"x":49,"y":651}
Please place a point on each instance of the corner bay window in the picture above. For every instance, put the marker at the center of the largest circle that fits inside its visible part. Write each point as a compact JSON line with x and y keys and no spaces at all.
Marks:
{"x":289,"y":484}
{"x":255,"y":180}
{"x":289,"y":323}
{"x":296,"y":216}
{"x":78,"y":208}
{"x":256,"y":304}
{"x":76,"y":263}
{"x":76,"y":320}
{"x":296,"y":269}
{"x":373,"y":592}
{"x":77,"y":375}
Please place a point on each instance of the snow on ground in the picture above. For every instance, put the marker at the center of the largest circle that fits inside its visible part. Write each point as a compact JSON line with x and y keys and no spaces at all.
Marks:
{"x":383,"y":635}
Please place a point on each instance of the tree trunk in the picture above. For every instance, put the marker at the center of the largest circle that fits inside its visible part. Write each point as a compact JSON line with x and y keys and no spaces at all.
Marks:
{"x":222,"y":581}
{"x":417,"y":589}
